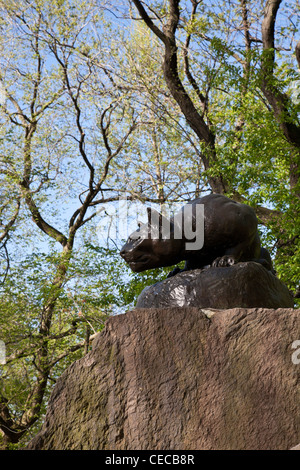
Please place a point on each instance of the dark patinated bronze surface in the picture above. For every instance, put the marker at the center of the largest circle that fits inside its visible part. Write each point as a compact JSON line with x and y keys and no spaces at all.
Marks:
{"x":230,"y":236}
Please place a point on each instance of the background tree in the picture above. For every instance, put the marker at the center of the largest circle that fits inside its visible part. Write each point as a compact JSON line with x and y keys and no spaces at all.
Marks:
{"x":89,"y":114}
{"x":46,"y":79}
{"x":74,"y":137}
{"x":229,"y":68}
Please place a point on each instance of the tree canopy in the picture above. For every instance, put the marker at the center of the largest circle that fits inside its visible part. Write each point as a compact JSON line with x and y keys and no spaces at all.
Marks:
{"x":145,"y":102}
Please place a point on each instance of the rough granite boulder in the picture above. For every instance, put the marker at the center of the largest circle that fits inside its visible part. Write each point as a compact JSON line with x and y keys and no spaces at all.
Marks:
{"x":244,"y":285}
{"x":182,"y":379}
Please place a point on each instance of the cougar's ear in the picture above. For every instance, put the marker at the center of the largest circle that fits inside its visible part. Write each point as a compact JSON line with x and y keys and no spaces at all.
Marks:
{"x":156,"y":218}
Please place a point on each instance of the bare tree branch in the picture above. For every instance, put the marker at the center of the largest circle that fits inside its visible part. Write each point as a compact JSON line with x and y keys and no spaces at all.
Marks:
{"x":268,"y":27}
{"x":275,"y":97}
{"x":179,"y":93}
{"x":202,"y":98}
{"x":148,"y":21}
{"x":72,"y":349}
{"x":74,"y":98}
{"x":38,"y":219}
{"x":10,"y":224}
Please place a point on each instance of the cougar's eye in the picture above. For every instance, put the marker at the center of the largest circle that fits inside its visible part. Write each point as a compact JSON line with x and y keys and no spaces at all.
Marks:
{"x":135,"y":239}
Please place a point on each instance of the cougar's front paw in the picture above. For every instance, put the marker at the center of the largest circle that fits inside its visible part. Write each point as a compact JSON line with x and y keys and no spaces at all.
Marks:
{"x":223,"y":261}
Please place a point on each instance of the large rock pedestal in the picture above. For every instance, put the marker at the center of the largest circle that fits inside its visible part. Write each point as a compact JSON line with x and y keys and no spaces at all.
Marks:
{"x":182,"y":378}
{"x":241,"y":285}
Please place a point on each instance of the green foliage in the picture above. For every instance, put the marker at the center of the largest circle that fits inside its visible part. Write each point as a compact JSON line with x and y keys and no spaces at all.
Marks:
{"x":118,"y":287}
{"x":84,"y":101}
